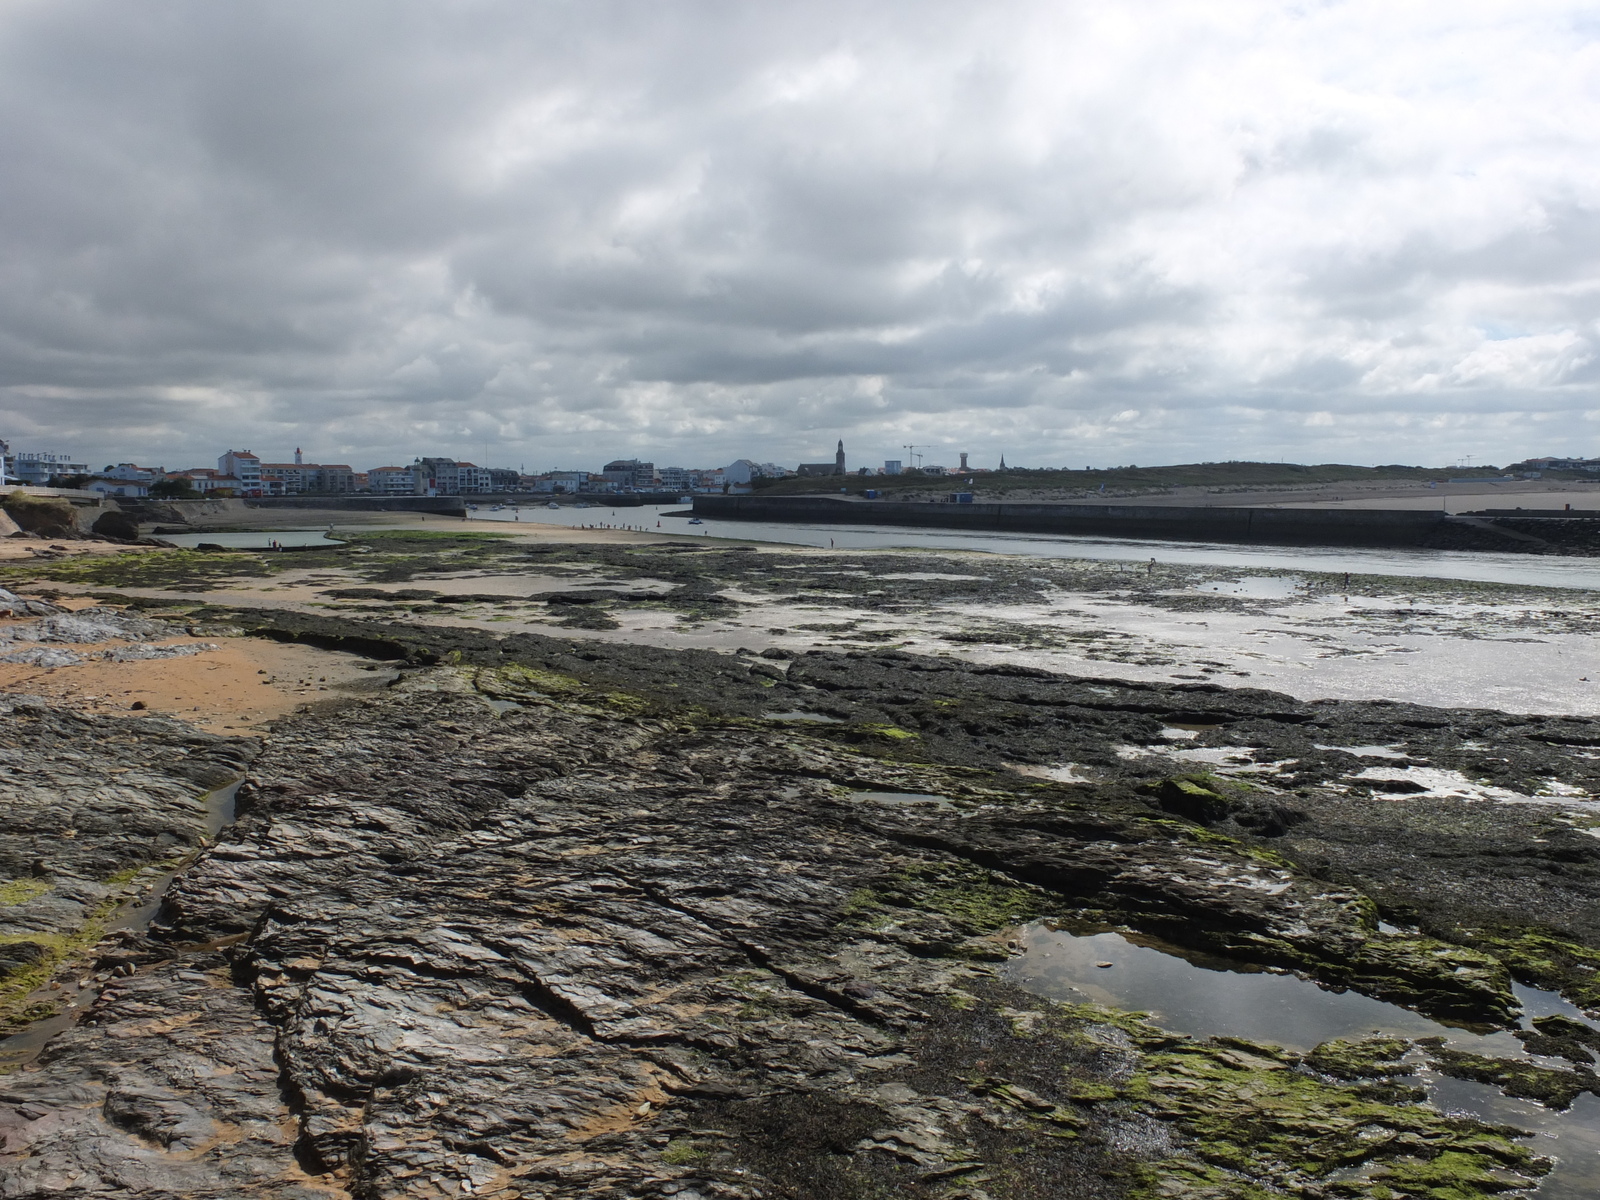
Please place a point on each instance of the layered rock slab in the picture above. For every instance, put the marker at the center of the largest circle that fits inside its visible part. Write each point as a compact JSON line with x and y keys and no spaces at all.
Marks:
{"x":577,"y":949}
{"x":95,"y":809}
{"x":172,"y":1091}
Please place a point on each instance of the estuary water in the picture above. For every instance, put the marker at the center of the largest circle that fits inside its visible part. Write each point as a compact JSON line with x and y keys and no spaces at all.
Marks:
{"x":1521,"y":569}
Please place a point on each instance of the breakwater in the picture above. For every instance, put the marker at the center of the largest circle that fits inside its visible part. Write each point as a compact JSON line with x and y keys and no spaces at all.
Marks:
{"x":1262,"y":526}
{"x":454,"y":506}
{"x":201,"y":513}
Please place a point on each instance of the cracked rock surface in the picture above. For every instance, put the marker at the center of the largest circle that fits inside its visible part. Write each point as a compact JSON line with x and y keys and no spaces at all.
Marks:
{"x":95,"y":810}
{"x":519,"y":929}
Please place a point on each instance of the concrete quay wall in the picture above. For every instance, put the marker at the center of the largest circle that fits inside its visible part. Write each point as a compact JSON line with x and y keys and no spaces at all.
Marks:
{"x":449,"y":505}
{"x":214,"y":512}
{"x":1267,"y":526}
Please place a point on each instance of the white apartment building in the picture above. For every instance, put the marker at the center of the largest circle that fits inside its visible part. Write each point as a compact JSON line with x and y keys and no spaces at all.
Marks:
{"x":36,"y":469}
{"x":205,"y":480}
{"x":561,"y":481}
{"x":392,"y":481}
{"x":471,"y":478}
{"x":446,"y":477}
{"x":130,"y":489}
{"x":244,"y":468}
{"x":133,"y":473}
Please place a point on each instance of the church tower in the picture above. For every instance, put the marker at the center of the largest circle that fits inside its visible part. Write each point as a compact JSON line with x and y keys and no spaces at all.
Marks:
{"x":838,"y":459}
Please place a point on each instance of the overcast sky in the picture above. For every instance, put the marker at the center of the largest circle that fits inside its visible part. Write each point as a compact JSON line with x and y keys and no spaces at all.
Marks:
{"x":1072,"y":233}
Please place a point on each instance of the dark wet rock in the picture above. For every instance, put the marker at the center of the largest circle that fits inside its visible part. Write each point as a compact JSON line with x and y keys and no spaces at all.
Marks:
{"x":585,"y":948}
{"x":94,"y":807}
{"x":1469,"y":872}
{"x":171,"y":1091}
{"x":17,"y":957}
{"x":117,"y":525}
{"x":1561,"y":1037}
{"x":616,"y":936}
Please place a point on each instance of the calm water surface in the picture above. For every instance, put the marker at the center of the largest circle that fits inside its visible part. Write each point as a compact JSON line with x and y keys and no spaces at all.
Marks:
{"x":256,"y":540}
{"x":1536,"y":570}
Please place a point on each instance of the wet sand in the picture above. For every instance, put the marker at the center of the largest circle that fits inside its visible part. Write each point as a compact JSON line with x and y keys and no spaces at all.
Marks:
{"x":1518,"y":653}
{"x":239,"y":687}
{"x":14,"y":549}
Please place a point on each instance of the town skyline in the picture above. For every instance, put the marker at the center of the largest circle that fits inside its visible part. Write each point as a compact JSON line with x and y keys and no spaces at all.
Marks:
{"x":38,"y":464}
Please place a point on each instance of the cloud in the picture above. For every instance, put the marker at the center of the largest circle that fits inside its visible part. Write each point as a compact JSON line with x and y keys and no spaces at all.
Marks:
{"x":711,"y":230}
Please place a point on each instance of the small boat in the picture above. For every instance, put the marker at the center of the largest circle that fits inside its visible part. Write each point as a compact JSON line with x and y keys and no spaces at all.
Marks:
{"x":472,"y":508}
{"x":552,"y":504}
{"x":696,"y":521}
{"x":498,"y":508}
{"x":584,"y":504}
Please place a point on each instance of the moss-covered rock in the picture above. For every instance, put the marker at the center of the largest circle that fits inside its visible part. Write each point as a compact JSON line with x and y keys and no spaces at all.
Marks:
{"x":1369,"y":1058}
{"x":1552,"y":1088}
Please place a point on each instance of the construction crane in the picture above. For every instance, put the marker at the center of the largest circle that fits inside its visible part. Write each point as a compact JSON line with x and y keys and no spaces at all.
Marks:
{"x":913,"y":457}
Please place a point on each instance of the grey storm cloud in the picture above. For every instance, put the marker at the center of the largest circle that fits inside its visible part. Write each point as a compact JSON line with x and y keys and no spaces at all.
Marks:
{"x":1073,"y":233}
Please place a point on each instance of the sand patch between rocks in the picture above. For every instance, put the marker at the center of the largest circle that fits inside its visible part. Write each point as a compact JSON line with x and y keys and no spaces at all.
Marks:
{"x":238,"y":687}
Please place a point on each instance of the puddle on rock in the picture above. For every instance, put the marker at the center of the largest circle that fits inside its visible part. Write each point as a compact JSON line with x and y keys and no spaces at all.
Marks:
{"x":797,"y":715}
{"x":1257,"y":587}
{"x":1366,"y":751}
{"x":1433,"y":782}
{"x":904,"y":799}
{"x":136,"y":913}
{"x":1186,"y":730}
{"x":1571,"y":1138}
{"x":1232,"y":760}
{"x":1063,"y":773}
{"x":1206,"y":996}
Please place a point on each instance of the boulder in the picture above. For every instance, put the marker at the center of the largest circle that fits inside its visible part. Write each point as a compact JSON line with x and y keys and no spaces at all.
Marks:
{"x":114,"y":523}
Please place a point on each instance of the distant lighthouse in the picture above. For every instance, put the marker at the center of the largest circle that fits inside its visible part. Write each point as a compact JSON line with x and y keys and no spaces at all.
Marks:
{"x":838,"y":459}
{"x":297,"y":456}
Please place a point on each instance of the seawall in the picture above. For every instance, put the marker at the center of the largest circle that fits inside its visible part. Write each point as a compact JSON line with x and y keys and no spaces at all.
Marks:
{"x":212,"y":513}
{"x":1266,"y":526}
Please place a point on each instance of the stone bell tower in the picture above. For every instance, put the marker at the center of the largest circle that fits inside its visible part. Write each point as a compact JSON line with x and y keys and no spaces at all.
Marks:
{"x":838,"y":459}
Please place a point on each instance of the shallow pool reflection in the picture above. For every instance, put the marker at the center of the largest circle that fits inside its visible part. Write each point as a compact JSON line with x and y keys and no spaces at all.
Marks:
{"x":1205,"y":997}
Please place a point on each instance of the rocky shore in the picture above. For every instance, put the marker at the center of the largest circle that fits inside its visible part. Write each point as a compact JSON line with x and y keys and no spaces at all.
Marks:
{"x":562,"y":918}
{"x":559,"y":919}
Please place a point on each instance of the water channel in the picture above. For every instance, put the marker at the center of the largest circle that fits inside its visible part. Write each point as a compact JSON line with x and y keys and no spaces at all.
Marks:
{"x":1524,"y":569}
